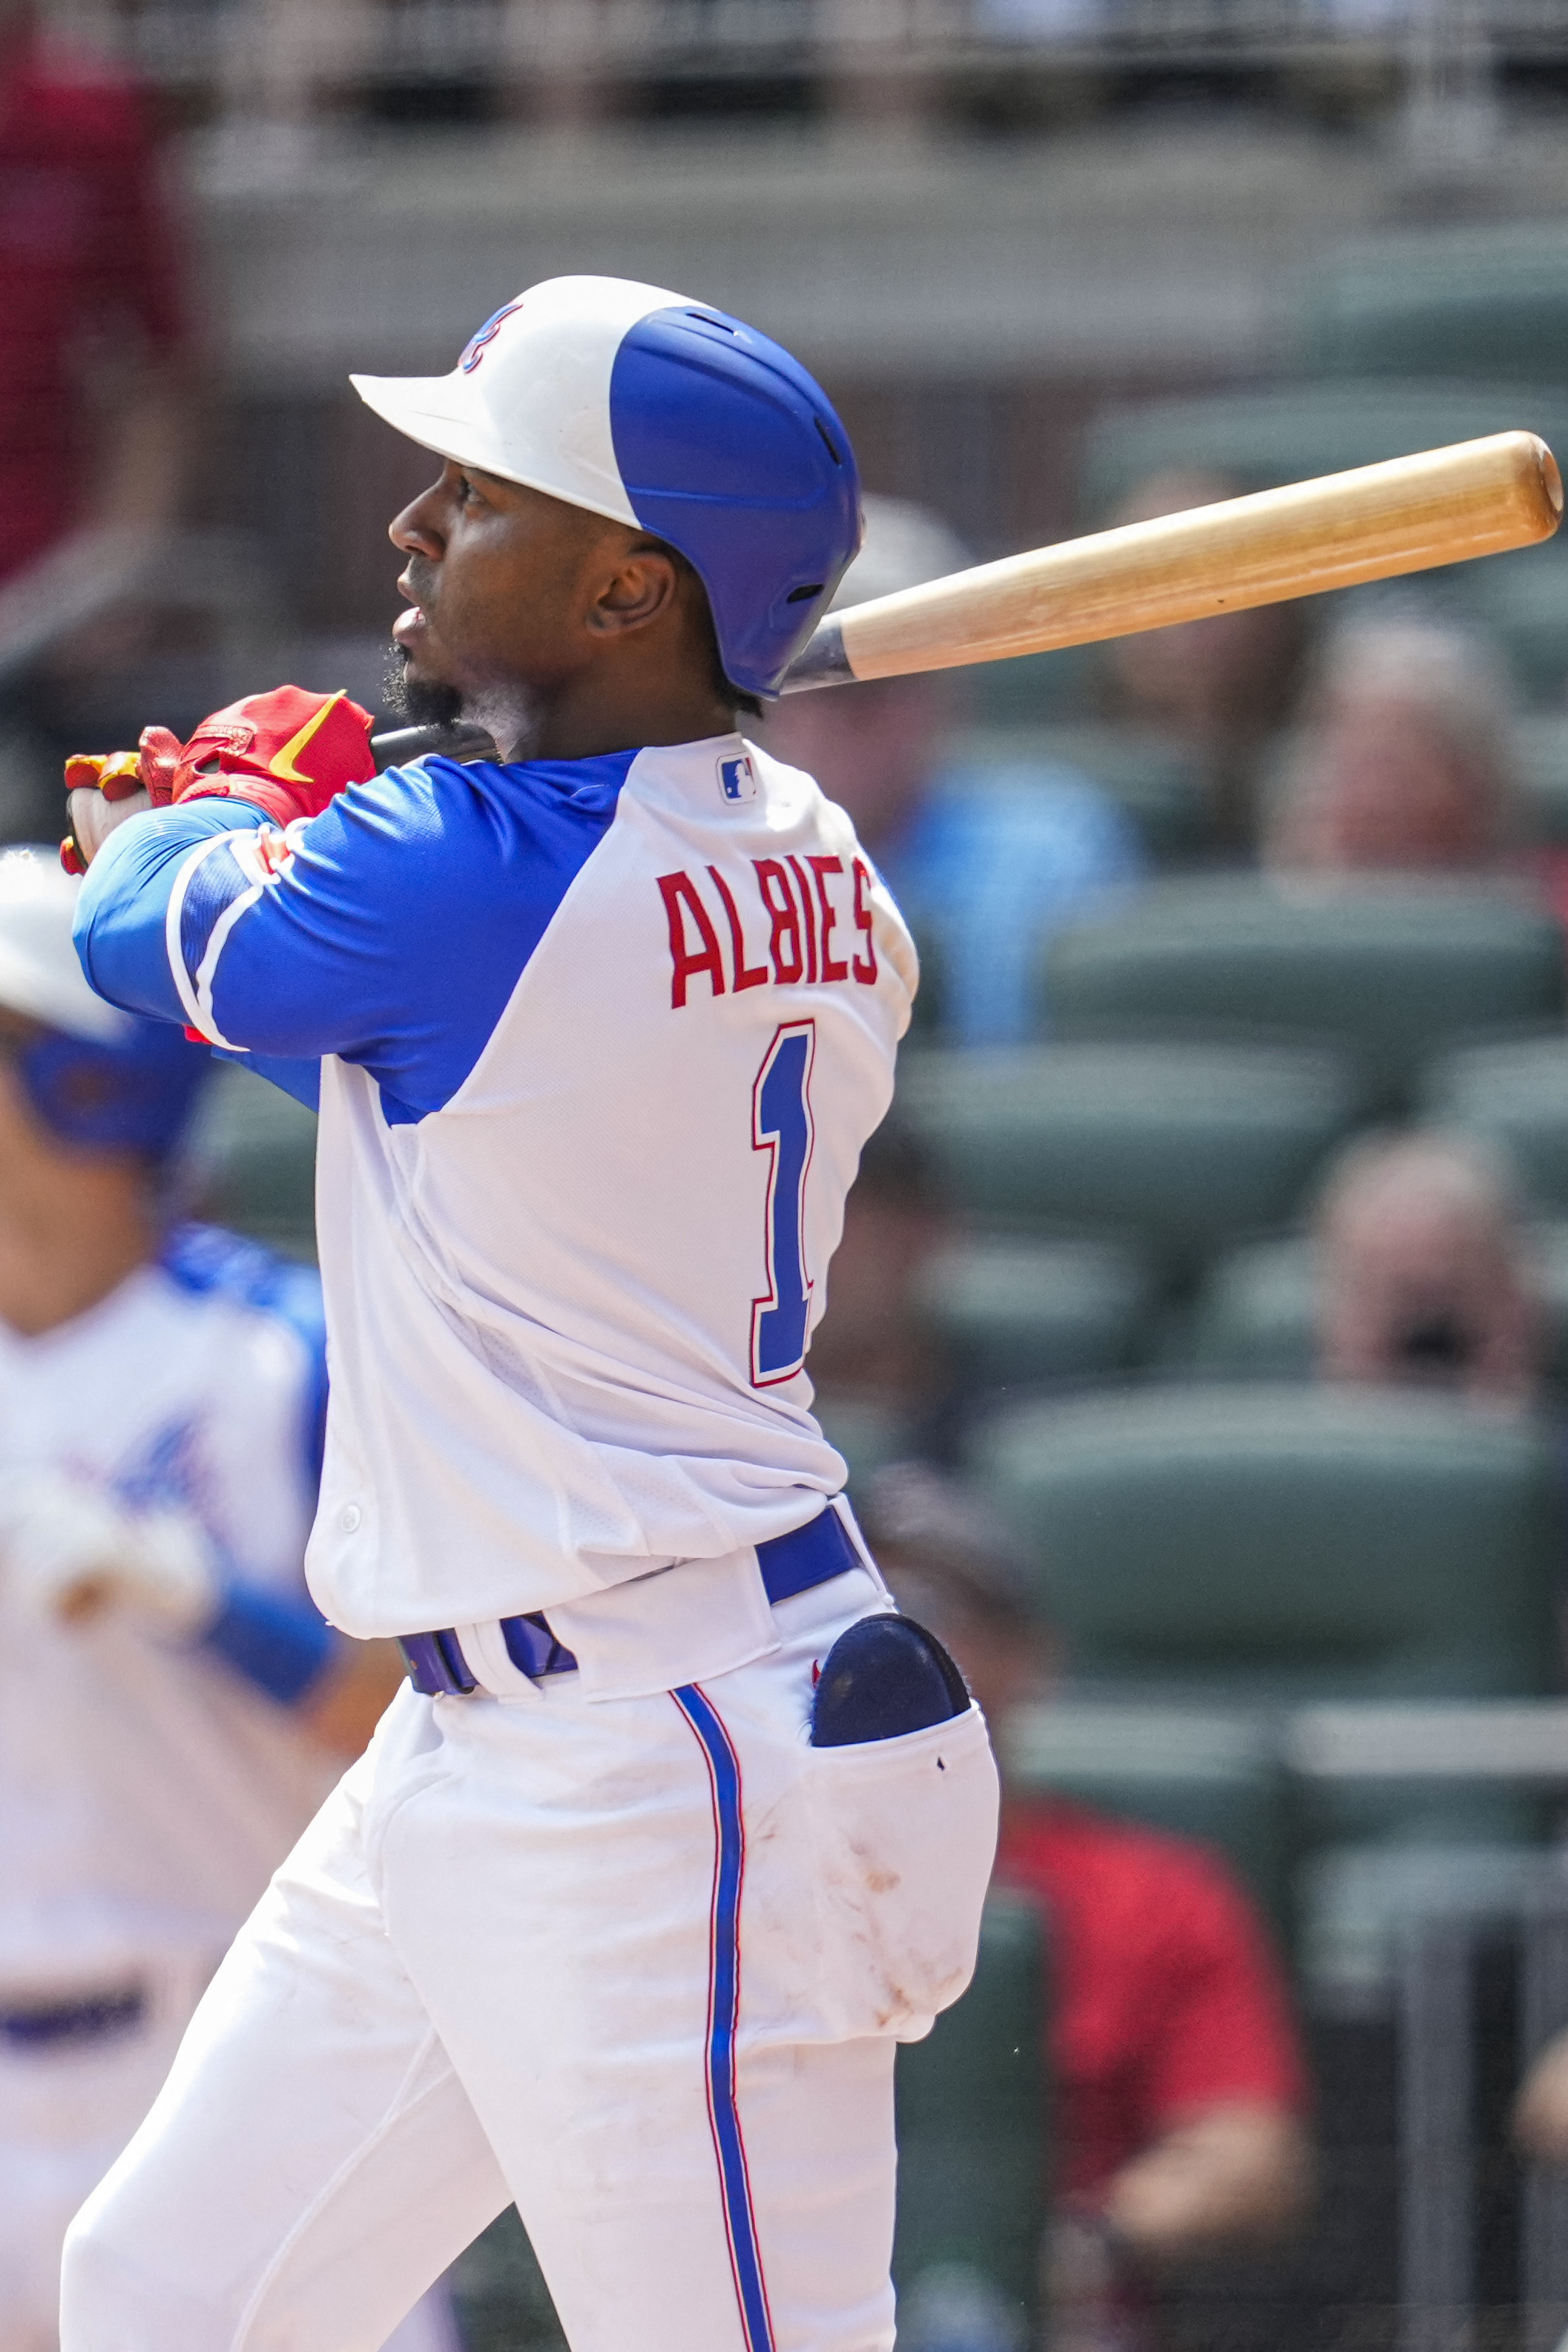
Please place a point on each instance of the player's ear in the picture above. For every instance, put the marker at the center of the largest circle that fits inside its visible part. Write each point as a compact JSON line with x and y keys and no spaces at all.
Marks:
{"x":643,"y":584}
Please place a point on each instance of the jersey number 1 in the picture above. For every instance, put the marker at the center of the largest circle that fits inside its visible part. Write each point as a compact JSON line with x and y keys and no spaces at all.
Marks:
{"x":781,"y":1126}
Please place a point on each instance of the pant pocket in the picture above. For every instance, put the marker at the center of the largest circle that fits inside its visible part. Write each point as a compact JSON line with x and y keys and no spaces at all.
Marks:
{"x":904,"y":1835}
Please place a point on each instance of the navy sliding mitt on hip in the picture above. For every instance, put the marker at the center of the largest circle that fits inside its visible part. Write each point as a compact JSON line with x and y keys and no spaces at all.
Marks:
{"x":885,"y":1677}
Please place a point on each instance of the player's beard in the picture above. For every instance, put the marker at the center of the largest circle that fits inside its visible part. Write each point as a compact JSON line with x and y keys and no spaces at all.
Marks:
{"x":422,"y":701}
{"x":507,"y":710}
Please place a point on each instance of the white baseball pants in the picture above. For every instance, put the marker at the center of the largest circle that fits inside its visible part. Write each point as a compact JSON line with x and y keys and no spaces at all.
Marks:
{"x":638,"y":1965}
{"x":65,"y":2116}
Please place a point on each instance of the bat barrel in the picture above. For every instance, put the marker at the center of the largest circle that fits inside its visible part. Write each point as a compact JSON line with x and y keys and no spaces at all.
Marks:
{"x":1444,"y":506}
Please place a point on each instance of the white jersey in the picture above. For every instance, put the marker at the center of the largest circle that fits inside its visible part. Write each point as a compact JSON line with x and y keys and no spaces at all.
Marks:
{"x":147,"y":1791}
{"x":601,"y":1043}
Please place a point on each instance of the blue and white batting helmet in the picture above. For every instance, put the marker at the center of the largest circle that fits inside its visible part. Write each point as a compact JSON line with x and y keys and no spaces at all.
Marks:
{"x":660,"y":413}
{"x":96,"y":1077}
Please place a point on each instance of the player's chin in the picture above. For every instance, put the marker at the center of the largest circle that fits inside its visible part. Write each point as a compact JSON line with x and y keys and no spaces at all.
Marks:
{"x":417,"y":697}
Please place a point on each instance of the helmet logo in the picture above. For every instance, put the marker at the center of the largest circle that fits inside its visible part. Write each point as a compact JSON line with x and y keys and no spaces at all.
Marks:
{"x":474,"y":350}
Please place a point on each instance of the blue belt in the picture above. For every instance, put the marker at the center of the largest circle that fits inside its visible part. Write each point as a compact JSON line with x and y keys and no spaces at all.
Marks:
{"x":790,"y":1564}
{"x":48,"y":2025}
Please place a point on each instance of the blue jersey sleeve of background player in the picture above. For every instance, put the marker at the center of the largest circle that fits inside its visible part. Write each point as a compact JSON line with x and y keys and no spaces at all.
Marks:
{"x":393,"y":934}
{"x":278,"y":1641}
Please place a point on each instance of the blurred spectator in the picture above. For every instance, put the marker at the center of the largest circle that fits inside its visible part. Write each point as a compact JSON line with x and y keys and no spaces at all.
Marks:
{"x":169,"y":1698}
{"x":1540,"y":2124}
{"x":1179,"y":2083}
{"x":1220,"y":687}
{"x":984,"y":860}
{"x":1426,"y":1277}
{"x":93,"y":329}
{"x":878,"y":1376}
{"x":95,"y":358}
{"x":1404,"y":762}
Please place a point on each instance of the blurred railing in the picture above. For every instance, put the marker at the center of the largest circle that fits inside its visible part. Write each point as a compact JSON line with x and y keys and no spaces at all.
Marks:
{"x":289,"y":53}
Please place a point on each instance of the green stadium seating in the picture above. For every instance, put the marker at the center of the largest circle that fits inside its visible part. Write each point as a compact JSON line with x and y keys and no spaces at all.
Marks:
{"x":1254,"y":1316}
{"x":1290,"y":431}
{"x":1264,"y":1548}
{"x":1254,"y":1319}
{"x":1542,"y":741}
{"x":1388,"y":970}
{"x":1522,"y":599}
{"x":1515,"y":1095}
{"x":254,"y":1149}
{"x":1156,"y":783}
{"x":973,"y":2140}
{"x":1015,"y":1313}
{"x":1034,"y":689}
{"x":1172,"y":1148}
{"x":502,"y":2302}
{"x":868,"y":1433}
{"x":1272,"y":1545}
{"x":1193,"y":1772}
{"x":1489,"y":301}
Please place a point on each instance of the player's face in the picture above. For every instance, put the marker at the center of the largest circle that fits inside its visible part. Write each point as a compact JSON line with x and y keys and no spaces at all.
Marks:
{"x":510,"y":593}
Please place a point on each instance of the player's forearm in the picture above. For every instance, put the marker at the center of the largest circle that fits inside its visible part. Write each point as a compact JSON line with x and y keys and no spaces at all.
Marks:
{"x":1235,"y":2174}
{"x":122,"y":914}
{"x":280,"y":1642}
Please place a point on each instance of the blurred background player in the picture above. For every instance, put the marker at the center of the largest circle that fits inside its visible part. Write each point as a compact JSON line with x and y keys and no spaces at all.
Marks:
{"x":983,"y":861}
{"x":1179,"y":2083}
{"x":172,"y":1705}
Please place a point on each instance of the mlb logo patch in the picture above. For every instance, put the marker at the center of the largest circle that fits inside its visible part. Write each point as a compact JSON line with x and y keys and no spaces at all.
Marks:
{"x":737,"y":780}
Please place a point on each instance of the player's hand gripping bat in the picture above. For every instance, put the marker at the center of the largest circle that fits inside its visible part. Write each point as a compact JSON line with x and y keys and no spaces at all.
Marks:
{"x":1478,"y":498}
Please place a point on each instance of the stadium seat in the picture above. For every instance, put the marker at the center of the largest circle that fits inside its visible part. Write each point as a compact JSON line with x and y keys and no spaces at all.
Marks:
{"x":254,"y":1151}
{"x":973,"y":2151}
{"x":1515,"y":1095}
{"x":1542,"y":742}
{"x":1033,"y":690}
{"x":1290,"y":432}
{"x":1485,"y":301}
{"x":1523,"y":599}
{"x":1388,"y":970}
{"x":1272,"y":1545}
{"x":1019,"y":1313}
{"x":1253,"y":1317}
{"x":1172,"y":1148}
{"x":1264,"y":1548}
{"x":1157,"y":785}
{"x":1194,"y":1772}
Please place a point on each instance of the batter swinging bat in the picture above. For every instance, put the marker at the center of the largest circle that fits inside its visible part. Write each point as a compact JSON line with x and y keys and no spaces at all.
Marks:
{"x":1444,"y":506}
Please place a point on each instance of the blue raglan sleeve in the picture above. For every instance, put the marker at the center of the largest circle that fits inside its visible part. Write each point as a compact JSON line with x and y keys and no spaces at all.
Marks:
{"x":389,"y":931}
{"x":279,"y":946}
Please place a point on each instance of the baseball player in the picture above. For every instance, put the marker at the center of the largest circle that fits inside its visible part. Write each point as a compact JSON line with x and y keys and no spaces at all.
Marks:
{"x":160,"y":1396}
{"x":678,"y":1828}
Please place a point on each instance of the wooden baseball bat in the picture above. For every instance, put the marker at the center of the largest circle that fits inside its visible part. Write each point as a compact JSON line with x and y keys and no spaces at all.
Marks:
{"x":1444,"y":506}
{"x":1478,"y":498}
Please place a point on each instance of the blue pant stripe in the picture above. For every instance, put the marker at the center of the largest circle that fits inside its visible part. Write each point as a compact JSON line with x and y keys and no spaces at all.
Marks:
{"x":723,"y":2007}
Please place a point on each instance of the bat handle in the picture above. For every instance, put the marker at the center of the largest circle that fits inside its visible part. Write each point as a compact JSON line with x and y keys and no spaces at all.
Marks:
{"x":400,"y":744}
{"x":821,"y":661}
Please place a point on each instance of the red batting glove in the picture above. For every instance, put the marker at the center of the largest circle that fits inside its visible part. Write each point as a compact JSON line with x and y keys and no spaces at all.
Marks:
{"x":288,"y":752}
